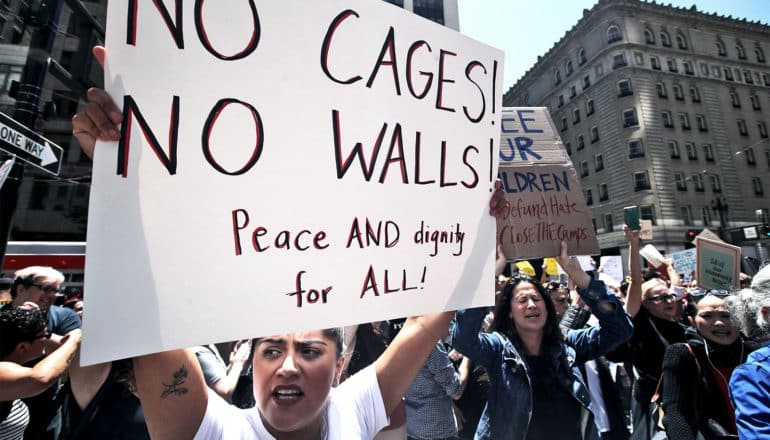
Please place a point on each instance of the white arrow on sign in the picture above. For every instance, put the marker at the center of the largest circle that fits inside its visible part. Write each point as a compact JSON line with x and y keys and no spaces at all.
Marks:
{"x":47,"y":156}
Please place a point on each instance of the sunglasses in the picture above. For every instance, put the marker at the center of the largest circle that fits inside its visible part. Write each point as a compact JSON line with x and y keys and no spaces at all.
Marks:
{"x":661,"y":298}
{"x":49,"y":289}
{"x":700,"y":293}
{"x":522,"y":279}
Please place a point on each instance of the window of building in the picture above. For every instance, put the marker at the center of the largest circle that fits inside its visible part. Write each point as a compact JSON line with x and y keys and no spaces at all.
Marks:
{"x":613,"y":34}
{"x":639,"y":58}
{"x":629,"y":118}
{"x":742,"y":127}
{"x":721,"y":49}
{"x":635,"y":149}
{"x":655,"y":63}
{"x":672,"y":65}
{"x":688,"y":68}
{"x":735,"y":99}
{"x":604,"y":194}
{"x":586,"y":82}
{"x":708,"y":152}
{"x":584,"y":168}
{"x":575,"y":116}
{"x":568,"y":147}
{"x":667,"y":121}
{"x":692,"y":153}
{"x":750,"y":158}
{"x":697,"y":181}
{"x":716,"y":183}
{"x":741,"y":51}
{"x":649,"y":37}
{"x":594,"y":134}
{"x":561,"y":101}
{"x":755,"y":102}
{"x":609,"y":226}
{"x":569,"y":67}
{"x":8,"y":74}
{"x":556,"y":77}
{"x":728,"y":74}
{"x":624,"y":88}
{"x":701,"y":121}
{"x":430,"y":9}
{"x":673,"y":147}
{"x":598,"y":162}
{"x":563,"y":123}
{"x":705,"y":215}
{"x":581,"y":57}
{"x":619,"y":61}
{"x":681,"y":183}
{"x":589,"y":197}
{"x":684,"y":121}
{"x":747,"y":77}
{"x":759,"y":53}
{"x":661,"y":87}
{"x":580,"y":142}
{"x":665,"y":40}
{"x":766,"y":79}
{"x":694,"y":94}
{"x":762,"y":127}
{"x":641,"y":181}
{"x":686,"y":215}
{"x":681,"y":41}
{"x":572,"y":92}
{"x":756,"y":182}
{"x":678,"y":94}
{"x":589,"y":107}
{"x":648,"y":213}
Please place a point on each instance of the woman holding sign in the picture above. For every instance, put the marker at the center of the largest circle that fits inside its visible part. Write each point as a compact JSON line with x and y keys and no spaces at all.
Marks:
{"x":536,"y":389}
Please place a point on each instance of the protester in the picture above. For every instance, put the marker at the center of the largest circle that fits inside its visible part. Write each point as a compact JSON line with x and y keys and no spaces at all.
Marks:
{"x":41,"y":285}
{"x":696,"y":373}
{"x":560,"y":296}
{"x":23,"y":337}
{"x":220,"y":376}
{"x":653,"y":310}
{"x":429,"y":399}
{"x":5,"y":291}
{"x":536,"y":390}
{"x":750,"y":383}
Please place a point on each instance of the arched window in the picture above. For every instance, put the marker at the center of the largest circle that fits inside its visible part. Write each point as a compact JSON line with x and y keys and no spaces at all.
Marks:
{"x":741,"y":51}
{"x":568,"y":67}
{"x":665,"y":39}
{"x":613,"y":34}
{"x":681,"y":41}
{"x":760,"y":54}
{"x":581,"y":57}
{"x":556,"y":77}
{"x":721,"y":50}
{"x":649,"y":37}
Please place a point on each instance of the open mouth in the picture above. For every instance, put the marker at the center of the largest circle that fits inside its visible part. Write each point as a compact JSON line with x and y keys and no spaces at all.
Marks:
{"x":287,"y":394}
{"x":532,"y":315}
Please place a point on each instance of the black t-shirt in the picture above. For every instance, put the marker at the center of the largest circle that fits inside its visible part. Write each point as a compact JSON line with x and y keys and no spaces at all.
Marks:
{"x":555,"y":412}
{"x":648,"y":347}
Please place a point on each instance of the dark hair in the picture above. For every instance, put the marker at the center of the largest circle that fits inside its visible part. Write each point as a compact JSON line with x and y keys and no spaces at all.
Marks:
{"x":26,"y":282}
{"x":19,"y":325}
{"x":503,"y":323}
{"x":334,"y":333}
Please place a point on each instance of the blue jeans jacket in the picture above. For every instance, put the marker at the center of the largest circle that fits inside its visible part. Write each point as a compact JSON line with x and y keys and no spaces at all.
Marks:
{"x":509,"y":402}
{"x":750,"y":391}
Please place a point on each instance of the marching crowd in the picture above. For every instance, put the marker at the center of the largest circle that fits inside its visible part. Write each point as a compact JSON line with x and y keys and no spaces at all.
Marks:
{"x":652,"y":359}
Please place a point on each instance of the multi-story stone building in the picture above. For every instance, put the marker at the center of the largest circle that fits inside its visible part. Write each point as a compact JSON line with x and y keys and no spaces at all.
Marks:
{"x":665,"y":108}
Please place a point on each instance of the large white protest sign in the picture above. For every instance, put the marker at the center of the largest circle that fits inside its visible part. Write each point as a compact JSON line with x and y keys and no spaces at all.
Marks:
{"x":546,"y":199}
{"x":287,"y":165}
{"x":612,"y":266}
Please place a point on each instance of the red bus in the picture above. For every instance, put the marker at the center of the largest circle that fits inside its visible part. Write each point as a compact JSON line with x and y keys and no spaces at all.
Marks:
{"x":67,"y":257}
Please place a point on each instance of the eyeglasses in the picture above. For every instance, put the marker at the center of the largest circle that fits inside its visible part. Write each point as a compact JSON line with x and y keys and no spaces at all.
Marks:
{"x":522,"y":279}
{"x":49,"y":289}
{"x":700,"y":293}
{"x":661,"y":298}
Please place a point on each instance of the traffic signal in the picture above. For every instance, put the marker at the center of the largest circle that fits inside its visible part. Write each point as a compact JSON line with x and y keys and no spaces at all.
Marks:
{"x":691,"y":234}
{"x":765,"y":231}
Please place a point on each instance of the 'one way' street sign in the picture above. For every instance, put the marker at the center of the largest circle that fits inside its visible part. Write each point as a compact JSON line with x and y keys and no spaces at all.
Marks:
{"x":29,"y":146}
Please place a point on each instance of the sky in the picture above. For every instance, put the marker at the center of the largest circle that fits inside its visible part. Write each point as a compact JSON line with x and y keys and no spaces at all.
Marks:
{"x":525,"y":29}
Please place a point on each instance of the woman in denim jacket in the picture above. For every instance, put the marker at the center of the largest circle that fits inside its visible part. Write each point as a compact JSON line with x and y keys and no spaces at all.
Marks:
{"x":536,"y":389}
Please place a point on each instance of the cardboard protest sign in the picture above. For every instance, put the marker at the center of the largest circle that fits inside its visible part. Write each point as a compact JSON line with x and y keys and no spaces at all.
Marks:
{"x":684,"y":261}
{"x":646,"y":231}
{"x":546,"y":200}
{"x":612,"y":266}
{"x":287,"y":166}
{"x":718,"y":264}
{"x":652,"y":255}
{"x":708,"y":234}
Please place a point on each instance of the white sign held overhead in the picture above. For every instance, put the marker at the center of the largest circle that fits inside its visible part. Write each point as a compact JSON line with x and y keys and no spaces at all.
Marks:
{"x":315,"y":164}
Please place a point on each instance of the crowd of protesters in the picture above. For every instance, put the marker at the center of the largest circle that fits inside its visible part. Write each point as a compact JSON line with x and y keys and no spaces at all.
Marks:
{"x":552,"y":359}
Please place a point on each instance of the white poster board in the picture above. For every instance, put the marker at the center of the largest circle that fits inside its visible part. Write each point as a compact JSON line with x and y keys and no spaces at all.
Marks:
{"x":652,"y":255}
{"x":612,"y":266}
{"x":317,"y":164}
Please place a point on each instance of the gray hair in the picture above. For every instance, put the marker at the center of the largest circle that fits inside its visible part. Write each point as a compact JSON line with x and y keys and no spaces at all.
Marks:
{"x":746,"y":306}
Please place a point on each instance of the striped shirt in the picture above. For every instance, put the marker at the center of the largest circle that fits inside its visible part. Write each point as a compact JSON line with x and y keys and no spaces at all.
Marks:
{"x":12,"y":428}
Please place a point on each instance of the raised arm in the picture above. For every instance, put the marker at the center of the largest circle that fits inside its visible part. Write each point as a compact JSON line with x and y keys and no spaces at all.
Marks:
{"x":173,"y":393}
{"x":17,"y":381}
{"x":634,"y":295}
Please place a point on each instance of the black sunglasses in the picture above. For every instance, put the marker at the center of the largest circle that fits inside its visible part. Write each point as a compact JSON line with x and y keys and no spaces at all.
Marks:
{"x":49,"y":289}
{"x":701,"y":293}
{"x":661,"y":298}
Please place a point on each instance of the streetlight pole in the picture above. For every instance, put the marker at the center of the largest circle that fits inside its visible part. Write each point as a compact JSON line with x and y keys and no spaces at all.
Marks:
{"x":719,"y":206}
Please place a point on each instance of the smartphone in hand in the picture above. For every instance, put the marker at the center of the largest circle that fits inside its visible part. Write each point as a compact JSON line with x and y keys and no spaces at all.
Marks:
{"x":632,"y":217}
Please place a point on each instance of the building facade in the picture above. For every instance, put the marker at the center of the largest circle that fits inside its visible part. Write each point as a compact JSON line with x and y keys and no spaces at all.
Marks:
{"x":665,"y":108}
{"x":441,"y":11}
